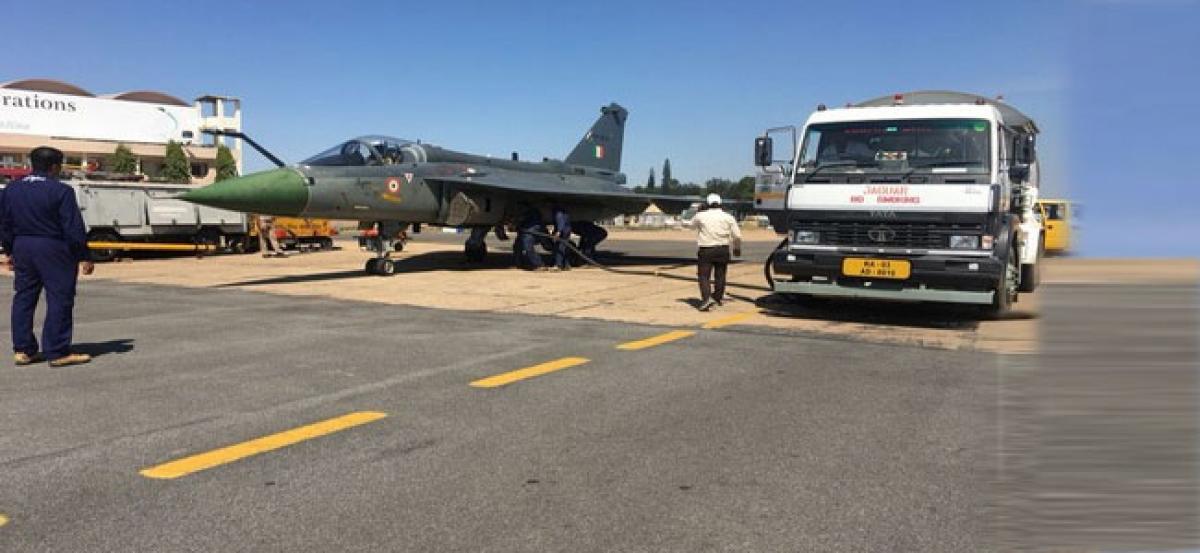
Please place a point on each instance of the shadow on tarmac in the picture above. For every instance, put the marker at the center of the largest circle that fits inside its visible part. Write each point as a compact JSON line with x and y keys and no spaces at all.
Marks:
{"x":97,"y":349}
{"x":919,"y":315}
{"x":496,"y":260}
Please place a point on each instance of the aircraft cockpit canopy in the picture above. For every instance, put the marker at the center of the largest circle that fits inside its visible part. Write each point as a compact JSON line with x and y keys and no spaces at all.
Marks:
{"x":367,"y":150}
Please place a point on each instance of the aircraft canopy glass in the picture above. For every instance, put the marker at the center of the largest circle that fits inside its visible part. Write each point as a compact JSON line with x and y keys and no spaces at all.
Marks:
{"x":367,"y":150}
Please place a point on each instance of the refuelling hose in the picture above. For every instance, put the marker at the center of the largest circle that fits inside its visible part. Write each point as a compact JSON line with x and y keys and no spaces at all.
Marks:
{"x":767,"y":266}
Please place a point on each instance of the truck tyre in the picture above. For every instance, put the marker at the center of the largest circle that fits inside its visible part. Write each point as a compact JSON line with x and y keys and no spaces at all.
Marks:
{"x":209,"y":237}
{"x":1031,"y":275}
{"x":103,"y":236}
{"x":326,"y":243}
{"x":1007,"y":288}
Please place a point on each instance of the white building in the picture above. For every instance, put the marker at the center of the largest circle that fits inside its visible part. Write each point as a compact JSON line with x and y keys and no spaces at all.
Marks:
{"x":88,"y":128}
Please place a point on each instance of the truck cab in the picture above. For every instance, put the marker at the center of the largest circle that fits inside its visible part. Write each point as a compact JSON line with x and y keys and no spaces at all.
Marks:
{"x":925,"y":196}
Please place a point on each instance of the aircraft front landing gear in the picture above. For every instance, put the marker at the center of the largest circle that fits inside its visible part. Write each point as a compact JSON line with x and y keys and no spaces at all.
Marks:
{"x":381,"y":266}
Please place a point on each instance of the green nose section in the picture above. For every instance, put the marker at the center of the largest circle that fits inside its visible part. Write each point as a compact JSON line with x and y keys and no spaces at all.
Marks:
{"x":274,"y":192}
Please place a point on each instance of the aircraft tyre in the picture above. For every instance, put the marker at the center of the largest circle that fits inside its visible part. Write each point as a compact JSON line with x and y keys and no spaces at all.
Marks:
{"x":476,"y":254}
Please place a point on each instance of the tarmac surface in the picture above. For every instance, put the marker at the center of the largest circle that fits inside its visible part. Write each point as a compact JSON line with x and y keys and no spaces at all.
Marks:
{"x":722,"y":441}
{"x":652,"y":281}
{"x":247,"y":404}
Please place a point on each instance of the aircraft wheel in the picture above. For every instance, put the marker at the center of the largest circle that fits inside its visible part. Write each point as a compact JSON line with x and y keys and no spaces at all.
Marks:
{"x":475,"y":255}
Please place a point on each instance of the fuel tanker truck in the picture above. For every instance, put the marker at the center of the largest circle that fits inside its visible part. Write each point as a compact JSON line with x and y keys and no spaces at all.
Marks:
{"x":927,"y":196}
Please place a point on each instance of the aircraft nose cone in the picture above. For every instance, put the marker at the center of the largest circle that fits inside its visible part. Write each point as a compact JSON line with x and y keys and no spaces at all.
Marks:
{"x":273,"y":192}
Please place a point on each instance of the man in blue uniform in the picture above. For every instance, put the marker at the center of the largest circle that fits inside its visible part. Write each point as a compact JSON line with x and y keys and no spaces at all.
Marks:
{"x":525,"y":247}
{"x":562,"y":230}
{"x":42,"y":231}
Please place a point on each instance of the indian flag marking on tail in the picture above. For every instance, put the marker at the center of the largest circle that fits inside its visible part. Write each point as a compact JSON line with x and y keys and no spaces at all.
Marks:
{"x":599,"y":151}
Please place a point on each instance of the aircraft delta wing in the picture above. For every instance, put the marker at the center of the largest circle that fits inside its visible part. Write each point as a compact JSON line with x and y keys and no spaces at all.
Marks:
{"x":393,"y":183}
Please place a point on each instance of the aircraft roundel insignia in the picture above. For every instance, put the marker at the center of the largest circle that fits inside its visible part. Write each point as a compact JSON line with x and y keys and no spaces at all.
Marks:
{"x":393,"y":185}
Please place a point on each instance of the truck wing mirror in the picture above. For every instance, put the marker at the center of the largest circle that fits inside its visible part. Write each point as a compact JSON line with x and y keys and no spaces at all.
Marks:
{"x":1018,"y":173}
{"x":763,"y":151}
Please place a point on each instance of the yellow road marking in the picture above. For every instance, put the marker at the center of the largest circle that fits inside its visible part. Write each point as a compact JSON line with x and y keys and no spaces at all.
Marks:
{"x":656,"y":340}
{"x":229,"y":454}
{"x":730,"y":320}
{"x":528,"y":372}
{"x":3,"y":520}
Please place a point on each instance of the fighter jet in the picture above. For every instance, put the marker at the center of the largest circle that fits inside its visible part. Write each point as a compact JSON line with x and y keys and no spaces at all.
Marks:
{"x":394,"y":183}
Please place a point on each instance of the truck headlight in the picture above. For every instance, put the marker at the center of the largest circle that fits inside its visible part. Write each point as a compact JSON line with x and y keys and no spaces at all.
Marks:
{"x":806,"y":237}
{"x":964,"y":242}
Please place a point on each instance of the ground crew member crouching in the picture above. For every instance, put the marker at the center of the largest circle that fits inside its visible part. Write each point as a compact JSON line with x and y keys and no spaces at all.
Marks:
{"x":43,"y":234}
{"x":590,"y":236}
{"x":562,"y":231}
{"x":525,"y":248}
{"x":716,"y":233}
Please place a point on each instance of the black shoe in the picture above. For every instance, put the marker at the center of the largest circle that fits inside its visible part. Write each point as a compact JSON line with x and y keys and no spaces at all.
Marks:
{"x":708,"y":304}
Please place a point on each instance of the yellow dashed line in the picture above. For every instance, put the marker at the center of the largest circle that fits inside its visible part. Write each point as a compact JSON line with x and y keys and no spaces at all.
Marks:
{"x":656,"y":340}
{"x":3,"y":520}
{"x":217,"y":457}
{"x":730,"y":320}
{"x":528,"y":372}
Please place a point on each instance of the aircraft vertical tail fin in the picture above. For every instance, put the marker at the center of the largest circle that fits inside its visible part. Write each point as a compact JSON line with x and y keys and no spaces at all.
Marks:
{"x":601,"y":146}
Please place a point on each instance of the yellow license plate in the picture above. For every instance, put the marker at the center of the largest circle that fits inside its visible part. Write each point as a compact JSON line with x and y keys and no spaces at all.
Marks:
{"x":877,"y":268}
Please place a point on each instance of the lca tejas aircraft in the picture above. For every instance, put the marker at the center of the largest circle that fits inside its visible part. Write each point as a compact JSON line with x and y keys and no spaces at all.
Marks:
{"x":396,"y":183}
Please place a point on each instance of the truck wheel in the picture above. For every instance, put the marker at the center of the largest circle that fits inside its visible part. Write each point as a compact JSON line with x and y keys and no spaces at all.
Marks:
{"x":1031,"y":275}
{"x":398,"y":246}
{"x":326,"y":243}
{"x":1006,"y":292}
{"x":209,"y":237}
{"x":104,"y":236}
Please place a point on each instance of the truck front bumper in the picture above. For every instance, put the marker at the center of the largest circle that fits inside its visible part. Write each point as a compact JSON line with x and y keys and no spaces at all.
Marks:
{"x":949,"y":278}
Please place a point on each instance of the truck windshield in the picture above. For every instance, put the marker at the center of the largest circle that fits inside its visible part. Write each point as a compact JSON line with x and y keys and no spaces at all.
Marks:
{"x":934,"y":145}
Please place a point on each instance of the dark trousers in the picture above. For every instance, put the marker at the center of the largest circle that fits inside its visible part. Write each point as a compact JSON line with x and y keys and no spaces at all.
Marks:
{"x":561,"y":253}
{"x":527,"y":254}
{"x":42,"y":263}
{"x":712,"y":261}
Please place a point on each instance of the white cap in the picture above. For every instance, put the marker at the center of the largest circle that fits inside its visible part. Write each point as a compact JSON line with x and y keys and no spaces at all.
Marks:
{"x":713,"y":199}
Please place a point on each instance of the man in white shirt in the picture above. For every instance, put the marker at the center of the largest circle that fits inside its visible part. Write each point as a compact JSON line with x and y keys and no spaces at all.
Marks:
{"x":716,"y":233}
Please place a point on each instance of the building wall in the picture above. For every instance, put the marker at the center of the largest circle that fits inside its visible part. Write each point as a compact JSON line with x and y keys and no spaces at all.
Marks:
{"x":88,"y":128}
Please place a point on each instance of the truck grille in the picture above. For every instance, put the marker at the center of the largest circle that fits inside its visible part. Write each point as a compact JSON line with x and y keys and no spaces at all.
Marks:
{"x":888,"y":235}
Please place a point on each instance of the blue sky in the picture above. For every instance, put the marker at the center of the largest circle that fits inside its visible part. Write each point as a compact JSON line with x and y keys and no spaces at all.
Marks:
{"x":1111,"y":82}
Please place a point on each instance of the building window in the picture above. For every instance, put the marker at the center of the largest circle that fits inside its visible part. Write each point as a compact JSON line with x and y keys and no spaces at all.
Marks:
{"x":200,"y":170}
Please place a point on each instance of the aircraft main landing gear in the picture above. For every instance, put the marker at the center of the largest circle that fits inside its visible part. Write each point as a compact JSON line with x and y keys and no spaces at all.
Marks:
{"x":476,"y":248}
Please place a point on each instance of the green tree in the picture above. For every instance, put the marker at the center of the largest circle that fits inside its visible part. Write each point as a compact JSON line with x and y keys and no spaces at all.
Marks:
{"x":745,"y":188}
{"x":650,"y":181}
{"x":226,"y":166}
{"x":175,"y":167}
{"x":122,"y":160}
{"x":667,"y":182}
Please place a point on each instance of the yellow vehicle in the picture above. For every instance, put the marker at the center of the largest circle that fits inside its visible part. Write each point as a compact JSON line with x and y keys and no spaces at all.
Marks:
{"x":1056,"y":225}
{"x":298,"y":233}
